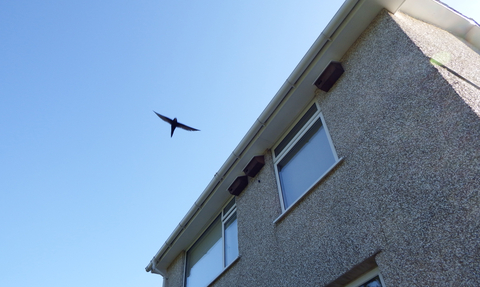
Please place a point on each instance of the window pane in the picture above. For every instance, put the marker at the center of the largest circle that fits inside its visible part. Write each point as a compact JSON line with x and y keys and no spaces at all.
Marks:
{"x":204,"y":259}
{"x":231,"y":240}
{"x":375,"y":282}
{"x":228,"y":207}
{"x":303,"y":165}
{"x":296,"y":129}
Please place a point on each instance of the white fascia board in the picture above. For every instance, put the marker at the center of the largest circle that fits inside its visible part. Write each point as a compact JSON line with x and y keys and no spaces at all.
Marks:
{"x":298,"y":91}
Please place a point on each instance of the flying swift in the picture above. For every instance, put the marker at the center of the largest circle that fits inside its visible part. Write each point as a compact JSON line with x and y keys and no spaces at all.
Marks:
{"x":174,"y":124}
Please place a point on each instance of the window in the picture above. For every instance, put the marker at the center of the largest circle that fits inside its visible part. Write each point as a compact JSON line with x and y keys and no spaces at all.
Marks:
{"x":303,"y":157}
{"x":370,"y":279}
{"x":374,"y":282}
{"x":216,"y":248}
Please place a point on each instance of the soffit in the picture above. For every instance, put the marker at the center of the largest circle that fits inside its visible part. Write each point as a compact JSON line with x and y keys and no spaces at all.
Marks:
{"x":437,"y":14}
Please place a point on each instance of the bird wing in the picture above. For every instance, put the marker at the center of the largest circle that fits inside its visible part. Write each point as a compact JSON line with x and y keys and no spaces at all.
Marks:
{"x":163,"y":118}
{"x":185,"y":127}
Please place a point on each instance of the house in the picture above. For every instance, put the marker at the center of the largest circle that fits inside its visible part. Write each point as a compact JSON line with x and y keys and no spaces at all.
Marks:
{"x":363,"y":170}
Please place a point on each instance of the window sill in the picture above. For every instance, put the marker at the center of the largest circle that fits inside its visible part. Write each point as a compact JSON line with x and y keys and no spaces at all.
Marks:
{"x":224,"y":270}
{"x":291,"y":207}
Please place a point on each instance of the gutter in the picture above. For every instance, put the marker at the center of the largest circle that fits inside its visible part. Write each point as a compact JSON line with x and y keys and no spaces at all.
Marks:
{"x":274,"y":105}
{"x":155,"y":270}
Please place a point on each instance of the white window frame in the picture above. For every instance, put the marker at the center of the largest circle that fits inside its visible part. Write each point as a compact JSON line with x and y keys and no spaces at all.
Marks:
{"x":366,"y":277}
{"x":277,"y":158}
{"x":225,"y":216}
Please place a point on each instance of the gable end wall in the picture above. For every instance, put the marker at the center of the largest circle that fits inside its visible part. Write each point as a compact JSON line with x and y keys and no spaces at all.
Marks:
{"x":408,"y":185}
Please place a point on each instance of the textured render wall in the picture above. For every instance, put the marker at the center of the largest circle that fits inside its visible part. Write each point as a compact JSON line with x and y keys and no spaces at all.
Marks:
{"x":176,"y":271}
{"x":412,"y":157}
{"x":257,"y":207}
{"x":451,"y":52}
{"x":408,"y":184}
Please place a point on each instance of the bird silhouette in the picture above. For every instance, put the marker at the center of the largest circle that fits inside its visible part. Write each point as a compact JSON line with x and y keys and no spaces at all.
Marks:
{"x":174,"y":124}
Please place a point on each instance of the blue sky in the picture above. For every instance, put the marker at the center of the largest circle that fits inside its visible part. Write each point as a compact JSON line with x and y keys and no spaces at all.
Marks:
{"x":91,"y":184}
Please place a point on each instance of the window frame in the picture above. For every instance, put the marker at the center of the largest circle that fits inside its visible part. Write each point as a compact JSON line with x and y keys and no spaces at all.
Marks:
{"x":223,"y":216}
{"x":366,"y":277}
{"x":317,"y":115}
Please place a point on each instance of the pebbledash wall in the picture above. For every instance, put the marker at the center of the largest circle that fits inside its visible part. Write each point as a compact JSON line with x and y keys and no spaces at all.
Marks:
{"x":407,"y":190}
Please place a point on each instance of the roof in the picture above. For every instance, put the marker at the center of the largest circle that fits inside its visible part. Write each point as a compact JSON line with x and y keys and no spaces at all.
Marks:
{"x":296,"y":93}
